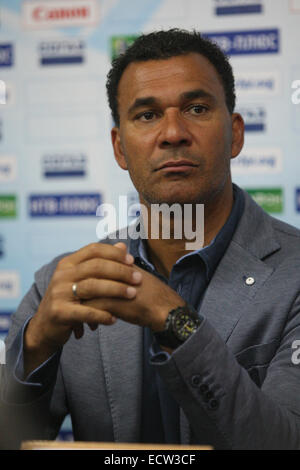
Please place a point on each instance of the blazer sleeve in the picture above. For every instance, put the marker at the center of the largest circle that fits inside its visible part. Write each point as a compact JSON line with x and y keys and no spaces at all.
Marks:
{"x":221,"y":399}
{"x":22,"y":402}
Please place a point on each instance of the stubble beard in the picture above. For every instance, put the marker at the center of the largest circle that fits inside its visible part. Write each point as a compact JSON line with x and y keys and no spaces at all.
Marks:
{"x":204,"y":196}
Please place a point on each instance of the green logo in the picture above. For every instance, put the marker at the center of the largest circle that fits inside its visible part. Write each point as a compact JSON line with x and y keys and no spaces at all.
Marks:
{"x":8,"y":206}
{"x":271,"y":199}
{"x":119,"y":44}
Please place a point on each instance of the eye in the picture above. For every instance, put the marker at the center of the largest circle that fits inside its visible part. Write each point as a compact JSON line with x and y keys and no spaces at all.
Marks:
{"x":197,"y":109}
{"x":146,"y":116}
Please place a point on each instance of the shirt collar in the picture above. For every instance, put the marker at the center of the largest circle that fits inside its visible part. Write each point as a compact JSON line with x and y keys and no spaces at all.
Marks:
{"x":210,"y":254}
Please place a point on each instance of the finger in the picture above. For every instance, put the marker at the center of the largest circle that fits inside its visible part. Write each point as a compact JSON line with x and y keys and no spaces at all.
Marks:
{"x":106,"y":269}
{"x":128,"y":257}
{"x":121,"y":245}
{"x":119,"y":308}
{"x":77,"y":314}
{"x":99,"y":288}
{"x":93,"y":326}
{"x":96,"y":288}
{"x":108,"y":304}
{"x":96,"y":250}
{"x":78,"y":331}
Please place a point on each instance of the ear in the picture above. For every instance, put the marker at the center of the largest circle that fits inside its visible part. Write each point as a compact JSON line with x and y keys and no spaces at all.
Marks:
{"x":238,"y":130}
{"x":117,"y":146}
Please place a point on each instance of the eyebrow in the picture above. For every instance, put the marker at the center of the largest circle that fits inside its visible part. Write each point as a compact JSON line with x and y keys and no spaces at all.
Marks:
{"x":199,"y":93}
{"x":186,"y":96}
{"x":140,"y":102}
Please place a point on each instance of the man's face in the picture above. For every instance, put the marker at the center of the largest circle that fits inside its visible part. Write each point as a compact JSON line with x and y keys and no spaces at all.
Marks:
{"x":176,"y":135}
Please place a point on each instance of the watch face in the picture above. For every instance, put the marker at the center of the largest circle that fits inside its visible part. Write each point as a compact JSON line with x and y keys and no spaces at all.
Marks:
{"x":184,"y":326}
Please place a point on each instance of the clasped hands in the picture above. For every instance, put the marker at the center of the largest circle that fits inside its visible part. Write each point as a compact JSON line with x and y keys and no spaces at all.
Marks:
{"x":108,"y":286}
{"x":131,"y":293}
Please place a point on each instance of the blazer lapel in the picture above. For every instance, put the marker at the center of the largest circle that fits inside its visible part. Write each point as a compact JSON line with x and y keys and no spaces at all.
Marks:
{"x":228,"y":293}
{"x":231,"y":288}
{"x":121,"y":349}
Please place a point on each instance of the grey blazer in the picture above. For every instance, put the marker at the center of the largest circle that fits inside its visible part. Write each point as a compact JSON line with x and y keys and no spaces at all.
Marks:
{"x":235,"y":379}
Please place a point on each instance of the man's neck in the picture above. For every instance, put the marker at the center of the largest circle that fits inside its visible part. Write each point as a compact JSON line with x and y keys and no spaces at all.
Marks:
{"x":163,"y":253}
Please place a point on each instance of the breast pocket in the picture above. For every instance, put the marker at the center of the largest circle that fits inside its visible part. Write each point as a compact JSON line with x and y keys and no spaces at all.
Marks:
{"x":256,"y":360}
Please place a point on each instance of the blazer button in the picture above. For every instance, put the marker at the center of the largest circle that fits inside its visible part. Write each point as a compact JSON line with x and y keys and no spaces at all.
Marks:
{"x":208,"y":395}
{"x":203,"y":388}
{"x":213,"y":404}
{"x":196,"y":380}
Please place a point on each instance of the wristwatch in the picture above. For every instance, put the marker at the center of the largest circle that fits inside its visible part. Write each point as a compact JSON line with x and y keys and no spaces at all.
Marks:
{"x":181,"y":323}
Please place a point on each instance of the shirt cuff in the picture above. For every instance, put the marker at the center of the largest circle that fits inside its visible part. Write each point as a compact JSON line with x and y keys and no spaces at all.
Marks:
{"x":157,"y":355}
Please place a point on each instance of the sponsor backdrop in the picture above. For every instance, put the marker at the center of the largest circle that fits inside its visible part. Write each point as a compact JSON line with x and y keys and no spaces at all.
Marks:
{"x":56,"y":161}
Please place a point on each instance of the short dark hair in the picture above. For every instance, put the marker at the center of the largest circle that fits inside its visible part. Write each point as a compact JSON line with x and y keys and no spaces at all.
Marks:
{"x":164,"y":45}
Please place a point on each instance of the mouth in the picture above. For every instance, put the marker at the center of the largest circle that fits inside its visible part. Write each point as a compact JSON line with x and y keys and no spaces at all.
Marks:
{"x":177,"y":166}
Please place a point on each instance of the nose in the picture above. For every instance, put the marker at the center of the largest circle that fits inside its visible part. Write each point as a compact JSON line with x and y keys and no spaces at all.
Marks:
{"x":174,"y":131}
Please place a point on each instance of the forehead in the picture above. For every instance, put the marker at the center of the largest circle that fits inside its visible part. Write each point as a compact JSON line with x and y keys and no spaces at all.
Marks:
{"x":166,"y":77}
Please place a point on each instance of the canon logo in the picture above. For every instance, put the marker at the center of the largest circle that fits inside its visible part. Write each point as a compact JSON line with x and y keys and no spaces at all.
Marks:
{"x":42,"y":13}
{"x":59,"y":13}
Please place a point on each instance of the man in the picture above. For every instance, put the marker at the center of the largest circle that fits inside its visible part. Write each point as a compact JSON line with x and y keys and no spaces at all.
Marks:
{"x":190,"y":347}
